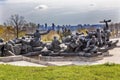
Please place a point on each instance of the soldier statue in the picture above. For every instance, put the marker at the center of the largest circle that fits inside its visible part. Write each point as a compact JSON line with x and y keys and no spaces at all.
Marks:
{"x":55,"y":45}
{"x":106,"y":29}
{"x":36,"y":41}
{"x":2,"y":47}
{"x":99,"y":37}
{"x":73,"y":44}
{"x":91,"y":45}
{"x":37,"y":35}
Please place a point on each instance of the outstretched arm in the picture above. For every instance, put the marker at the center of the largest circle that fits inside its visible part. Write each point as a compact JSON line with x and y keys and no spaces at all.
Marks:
{"x":45,"y":32}
{"x":88,"y":44}
{"x":29,"y":34}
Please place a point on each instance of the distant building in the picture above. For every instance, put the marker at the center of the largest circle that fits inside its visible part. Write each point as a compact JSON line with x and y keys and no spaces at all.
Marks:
{"x":70,"y":27}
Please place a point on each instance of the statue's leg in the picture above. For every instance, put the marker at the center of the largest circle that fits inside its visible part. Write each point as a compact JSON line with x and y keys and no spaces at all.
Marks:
{"x":2,"y":51}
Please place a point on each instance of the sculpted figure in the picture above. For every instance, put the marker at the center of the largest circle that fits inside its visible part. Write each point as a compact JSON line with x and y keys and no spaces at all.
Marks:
{"x":55,"y":45}
{"x":92,"y":45}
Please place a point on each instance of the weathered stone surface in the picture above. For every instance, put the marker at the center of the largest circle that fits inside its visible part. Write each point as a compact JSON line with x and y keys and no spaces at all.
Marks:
{"x":61,"y":58}
{"x":17,"y":49}
{"x":37,"y":48}
{"x":10,"y":58}
{"x":32,"y":53}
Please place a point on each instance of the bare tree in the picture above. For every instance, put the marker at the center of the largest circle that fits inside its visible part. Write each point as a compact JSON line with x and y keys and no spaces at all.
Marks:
{"x":30,"y":27}
{"x":17,"y":22}
{"x":33,"y":26}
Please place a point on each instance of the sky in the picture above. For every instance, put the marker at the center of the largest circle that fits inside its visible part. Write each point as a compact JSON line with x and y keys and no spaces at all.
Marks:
{"x":61,"y":11}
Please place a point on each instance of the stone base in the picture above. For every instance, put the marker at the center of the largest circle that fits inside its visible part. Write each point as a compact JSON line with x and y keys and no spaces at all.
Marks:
{"x":22,"y":58}
{"x":11,"y":58}
{"x":74,"y":58}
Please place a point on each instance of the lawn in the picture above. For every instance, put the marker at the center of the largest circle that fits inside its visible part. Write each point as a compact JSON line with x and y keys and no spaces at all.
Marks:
{"x":96,"y":72}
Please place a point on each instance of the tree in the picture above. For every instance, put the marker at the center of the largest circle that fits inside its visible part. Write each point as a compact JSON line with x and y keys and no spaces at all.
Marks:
{"x":17,"y":22}
{"x":30,"y":27}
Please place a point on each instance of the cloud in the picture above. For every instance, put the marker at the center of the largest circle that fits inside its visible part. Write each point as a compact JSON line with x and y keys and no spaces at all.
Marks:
{"x":41,"y":7}
{"x":2,"y":0}
{"x":69,"y":13}
{"x":16,"y":1}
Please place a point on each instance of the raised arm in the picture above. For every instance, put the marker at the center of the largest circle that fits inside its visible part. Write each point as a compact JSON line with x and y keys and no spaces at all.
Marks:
{"x":29,"y":34}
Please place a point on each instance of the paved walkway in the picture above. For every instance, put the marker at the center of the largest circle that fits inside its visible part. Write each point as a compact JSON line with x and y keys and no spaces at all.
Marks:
{"x":24,"y":63}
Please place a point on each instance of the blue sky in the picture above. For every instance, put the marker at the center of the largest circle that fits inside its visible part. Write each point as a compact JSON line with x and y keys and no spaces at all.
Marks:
{"x":61,"y":11}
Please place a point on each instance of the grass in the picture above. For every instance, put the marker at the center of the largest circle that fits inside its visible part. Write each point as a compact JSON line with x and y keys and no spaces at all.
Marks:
{"x":96,"y":72}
